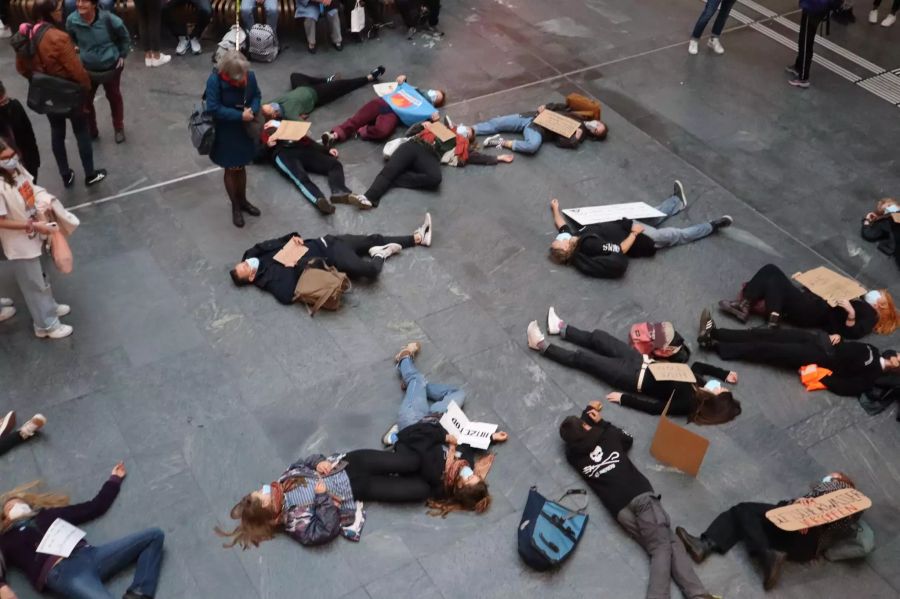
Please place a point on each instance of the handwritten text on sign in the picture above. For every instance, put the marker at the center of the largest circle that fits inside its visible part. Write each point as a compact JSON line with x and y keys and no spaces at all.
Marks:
{"x":827,"y":508}
{"x":476,"y":434}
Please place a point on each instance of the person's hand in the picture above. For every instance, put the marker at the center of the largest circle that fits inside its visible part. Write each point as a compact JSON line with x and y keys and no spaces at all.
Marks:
{"x":44,"y":228}
{"x":324,"y":467}
{"x":615,"y":397}
{"x":326,"y":2}
{"x":119,"y":470}
{"x":835,"y":339}
{"x":435,"y":116}
{"x":6,"y":592}
{"x":848,"y":308}
{"x":333,"y":152}
{"x":271,"y":142}
{"x":401,"y":78}
{"x":637,"y":229}
{"x":320,"y":486}
{"x":451,"y":440}
{"x":542,"y":108}
{"x":805,"y":501}
{"x":297,"y":240}
{"x":247,"y":116}
{"x":871,"y":216}
{"x":507,"y":158}
{"x":336,"y":500}
{"x":803,"y":531}
{"x":499,"y":437}
{"x":732,"y":378}
{"x":554,"y":204}
{"x":578,"y":133}
{"x":120,"y":63}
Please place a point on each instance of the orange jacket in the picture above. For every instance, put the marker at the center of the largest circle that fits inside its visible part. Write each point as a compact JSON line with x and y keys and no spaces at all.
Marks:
{"x":811,"y":376}
{"x":55,"y":56}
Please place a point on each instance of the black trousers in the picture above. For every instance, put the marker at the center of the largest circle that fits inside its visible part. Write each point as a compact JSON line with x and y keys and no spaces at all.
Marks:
{"x":788,"y":348}
{"x":412,"y":165}
{"x":297,"y":162}
{"x":386,"y":476}
{"x":149,"y":23}
{"x":350,"y":253}
{"x":327,"y":91}
{"x":772,"y":286}
{"x":178,"y":27}
{"x":10,"y":440}
{"x":747,"y":522}
{"x":895,"y":7}
{"x":610,"y":359}
{"x":809,"y":24}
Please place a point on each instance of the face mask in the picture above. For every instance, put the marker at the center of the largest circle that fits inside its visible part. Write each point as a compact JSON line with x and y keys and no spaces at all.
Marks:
{"x":564,"y":237}
{"x":253,"y":262}
{"x":891,"y":208}
{"x":872,"y":297}
{"x":19,"y":510}
{"x":9,"y":164}
{"x":432,"y":95}
{"x":267,"y":489}
{"x":592,"y":125}
{"x":463,"y":130}
{"x":828,"y":479}
{"x":712,"y":385}
{"x":466,"y":472}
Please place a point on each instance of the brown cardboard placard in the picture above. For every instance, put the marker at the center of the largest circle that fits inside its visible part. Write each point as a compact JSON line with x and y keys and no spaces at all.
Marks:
{"x":829,"y":285}
{"x":823,"y":509}
{"x":677,"y":446}
{"x":895,"y":217}
{"x":291,"y":253}
{"x":672,"y":371}
{"x":557,"y":123}
{"x":291,"y":130}
{"x":440,"y":131}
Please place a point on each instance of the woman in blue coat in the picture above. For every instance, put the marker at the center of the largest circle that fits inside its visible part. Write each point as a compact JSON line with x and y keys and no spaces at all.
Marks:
{"x":233,"y":99}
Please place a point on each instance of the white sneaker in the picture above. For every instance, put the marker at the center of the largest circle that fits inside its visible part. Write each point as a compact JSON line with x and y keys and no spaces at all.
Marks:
{"x":360,"y":201}
{"x":148,"y":62}
{"x":716,"y":45}
{"x":535,"y":336}
{"x":7,"y":312}
{"x":35,"y":424}
{"x":873,"y":16}
{"x":390,"y":437}
{"x":195,"y":46}
{"x":693,"y":47}
{"x":425,"y":231}
{"x":8,"y":423}
{"x":5,"y":302}
{"x":58,"y":332}
{"x":5,"y":31}
{"x":182,"y":47}
{"x":385,"y":251}
{"x":554,"y":322}
{"x":679,"y":191}
{"x":889,"y":20}
{"x":163,"y":59}
{"x":63,"y":309}
{"x":493,"y":141}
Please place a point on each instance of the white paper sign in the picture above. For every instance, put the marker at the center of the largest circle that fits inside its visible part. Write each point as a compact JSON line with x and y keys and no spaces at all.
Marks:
{"x":383,"y":89}
{"x":590,"y":215}
{"x":60,"y":539}
{"x":476,"y":434}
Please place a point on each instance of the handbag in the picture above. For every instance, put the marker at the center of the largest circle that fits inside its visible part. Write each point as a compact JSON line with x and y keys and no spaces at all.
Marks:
{"x":52,"y":95}
{"x":357,"y":18}
{"x":321,"y":287}
{"x":202,"y":127}
{"x":549,"y":531}
{"x":61,"y":252}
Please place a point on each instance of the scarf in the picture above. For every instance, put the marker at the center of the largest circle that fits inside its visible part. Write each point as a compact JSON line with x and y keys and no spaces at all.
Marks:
{"x":242,"y":83}
{"x":452,"y":472}
{"x":461,"y":151}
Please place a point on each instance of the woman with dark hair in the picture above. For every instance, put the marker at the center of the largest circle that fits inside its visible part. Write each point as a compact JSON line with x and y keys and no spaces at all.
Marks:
{"x":233,"y":99}
{"x":747,"y":522}
{"x":708,"y":401}
{"x":773,"y":293}
{"x":17,"y":132}
{"x":880,"y":226}
{"x":55,"y":55}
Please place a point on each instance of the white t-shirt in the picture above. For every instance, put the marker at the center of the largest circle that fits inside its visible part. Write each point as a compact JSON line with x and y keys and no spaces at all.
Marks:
{"x":18,"y":202}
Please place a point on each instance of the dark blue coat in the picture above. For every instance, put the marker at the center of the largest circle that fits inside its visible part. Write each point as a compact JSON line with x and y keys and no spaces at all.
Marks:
{"x":226,"y":102}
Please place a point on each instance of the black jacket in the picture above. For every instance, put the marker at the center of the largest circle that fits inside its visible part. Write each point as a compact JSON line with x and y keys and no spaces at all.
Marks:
{"x":684,"y":400}
{"x":16,"y":130}
{"x":856,"y":367}
{"x":427,"y":438}
{"x":274,"y":277}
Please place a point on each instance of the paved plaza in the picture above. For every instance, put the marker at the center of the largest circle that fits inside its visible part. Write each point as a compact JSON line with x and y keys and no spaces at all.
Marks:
{"x":207,"y":390}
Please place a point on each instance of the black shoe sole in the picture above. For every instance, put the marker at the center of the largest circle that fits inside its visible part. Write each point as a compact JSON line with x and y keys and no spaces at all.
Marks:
{"x":324,"y":206}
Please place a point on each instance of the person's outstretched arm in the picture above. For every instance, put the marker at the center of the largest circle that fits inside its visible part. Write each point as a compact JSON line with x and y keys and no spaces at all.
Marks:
{"x":558,"y":221}
{"x":96,"y":507}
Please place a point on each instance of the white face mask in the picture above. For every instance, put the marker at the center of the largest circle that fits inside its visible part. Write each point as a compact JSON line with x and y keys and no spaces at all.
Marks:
{"x":254,"y":264}
{"x":827,"y":479}
{"x":432,"y":95}
{"x":713,"y":384}
{"x":463,"y":130}
{"x":592,"y":125}
{"x":19,"y":510}
{"x":564,"y":237}
{"x":891,"y":208}
{"x":267,"y":489}
{"x":466,"y":472}
{"x":872,"y":297}
{"x":9,"y":164}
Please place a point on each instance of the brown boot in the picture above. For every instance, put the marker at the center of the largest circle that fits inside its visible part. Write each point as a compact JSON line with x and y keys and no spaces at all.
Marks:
{"x":236,"y":216}
{"x":740,"y":310}
{"x":411,"y":350}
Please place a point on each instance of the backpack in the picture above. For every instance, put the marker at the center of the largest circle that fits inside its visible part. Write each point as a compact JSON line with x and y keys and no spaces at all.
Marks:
{"x":47,"y":94}
{"x":659,"y":340}
{"x":263,"y":44}
{"x":607,"y":266}
{"x":548,"y":531}
{"x":321,"y":286}
{"x":234,"y":38}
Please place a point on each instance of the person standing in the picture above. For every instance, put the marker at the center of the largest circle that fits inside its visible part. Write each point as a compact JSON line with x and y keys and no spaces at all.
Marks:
{"x":248,"y":12}
{"x":179,"y":28}
{"x":149,"y":25}
{"x":234,"y":99}
{"x":724,"y":7}
{"x":814,"y":12}
{"x":5,"y":31}
{"x":16,"y":131}
{"x":890,"y":19}
{"x":103,"y":44}
{"x":55,"y":55}
{"x":310,"y":11}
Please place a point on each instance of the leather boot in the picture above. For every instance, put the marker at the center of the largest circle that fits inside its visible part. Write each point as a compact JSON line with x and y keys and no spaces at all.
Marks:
{"x":772,"y":563}
{"x":740,"y":310}
{"x":698,"y":548}
{"x":236,"y":216}
{"x":249,"y":208}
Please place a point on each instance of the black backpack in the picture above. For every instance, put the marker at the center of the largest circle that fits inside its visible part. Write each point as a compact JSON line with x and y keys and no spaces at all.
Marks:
{"x":608,"y":266}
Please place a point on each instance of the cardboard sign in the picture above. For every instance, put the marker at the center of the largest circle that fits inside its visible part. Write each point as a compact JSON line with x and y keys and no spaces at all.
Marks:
{"x":291,"y":253}
{"x":60,"y":539}
{"x":440,"y":131}
{"x":476,"y":434}
{"x":824,"y":509}
{"x":383,"y":89}
{"x":895,"y":217}
{"x":291,"y":130}
{"x":672,"y":371}
{"x":677,"y":446}
{"x":591,"y":215}
{"x":829,"y":285}
{"x":559,"y":124}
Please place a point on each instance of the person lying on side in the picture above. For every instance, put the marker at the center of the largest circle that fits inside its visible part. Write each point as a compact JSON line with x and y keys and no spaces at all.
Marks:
{"x":879,"y":226}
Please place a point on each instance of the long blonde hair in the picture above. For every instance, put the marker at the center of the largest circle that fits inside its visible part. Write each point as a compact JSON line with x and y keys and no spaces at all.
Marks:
{"x":258,"y":524}
{"x":888,"y":319}
{"x":37,"y":501}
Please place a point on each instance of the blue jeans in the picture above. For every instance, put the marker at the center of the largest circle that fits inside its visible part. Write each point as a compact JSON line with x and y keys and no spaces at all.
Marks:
{"x":671,"y":236}
{"x":708,"y":12}
{"x":514,"y":123}
{"x":248,"y":12}
{"x":81,"y":575}
{"x":419,"y":392}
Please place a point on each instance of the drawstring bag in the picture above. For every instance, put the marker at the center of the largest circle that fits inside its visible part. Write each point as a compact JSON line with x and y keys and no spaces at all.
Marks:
{"x":549,"y":531}
{"x":357,"y":18}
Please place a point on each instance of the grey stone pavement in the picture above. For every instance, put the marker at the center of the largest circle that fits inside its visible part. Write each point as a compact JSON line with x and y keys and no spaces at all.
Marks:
{"x":207,"y":391}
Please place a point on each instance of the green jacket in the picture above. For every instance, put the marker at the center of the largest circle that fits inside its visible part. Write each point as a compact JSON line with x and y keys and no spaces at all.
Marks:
{"x":101,"y":43}
{"x":297,"y":102}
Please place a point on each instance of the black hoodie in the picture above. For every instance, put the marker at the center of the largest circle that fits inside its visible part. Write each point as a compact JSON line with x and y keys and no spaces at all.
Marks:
{"x":601,"y":460}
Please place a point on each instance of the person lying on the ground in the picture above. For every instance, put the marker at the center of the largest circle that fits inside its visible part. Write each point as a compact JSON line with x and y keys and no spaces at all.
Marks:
{"x":377,"y":119}
{"x":28,"y":515}
{"x":708,"y":401}
{"x":598,"y":451}
{"x":456,"y":474}
{"x":296,"y":159}
{"x":855,"y":366}
{"x":309,"y":92}
{"x":773,"y":293}
{"x":416,"y":163}
{"x":879,"y":226}
{"x":602,"y":250}
{"x":10,"y":438}
{"x":576,"y":106}
{"x":319,"y":498}
{"x":766,"y":542}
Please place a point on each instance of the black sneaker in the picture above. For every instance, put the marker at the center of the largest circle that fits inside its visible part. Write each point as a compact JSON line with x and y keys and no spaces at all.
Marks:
{"x":722,"y":222}
{"x":328,"y":138}
{"x":707,"y":326}
{"x":95,"y":177}
{"x":339,"y":46}
{"x":377,"y":72}
{"x":69,"y":179}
